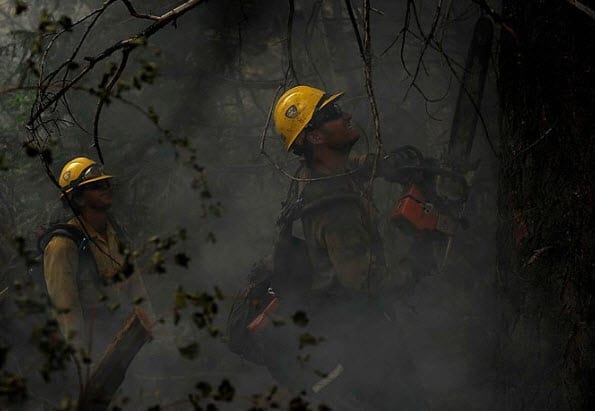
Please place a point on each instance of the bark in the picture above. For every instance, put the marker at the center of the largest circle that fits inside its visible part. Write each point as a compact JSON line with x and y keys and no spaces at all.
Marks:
{"x":546,"y":85}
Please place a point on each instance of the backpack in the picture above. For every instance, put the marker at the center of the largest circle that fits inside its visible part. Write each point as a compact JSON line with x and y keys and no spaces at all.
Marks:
{"x":274,"y":283}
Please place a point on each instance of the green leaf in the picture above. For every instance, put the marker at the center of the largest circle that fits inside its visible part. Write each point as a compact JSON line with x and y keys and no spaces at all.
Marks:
{"x":308,"y":339}
{"x":180,"y":299}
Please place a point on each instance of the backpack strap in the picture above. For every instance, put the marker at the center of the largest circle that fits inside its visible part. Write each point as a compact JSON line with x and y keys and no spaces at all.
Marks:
{"x":64,"y":230}
{"x":76,"y":235}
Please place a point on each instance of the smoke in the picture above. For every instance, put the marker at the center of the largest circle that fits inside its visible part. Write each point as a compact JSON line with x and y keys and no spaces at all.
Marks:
{"x":218,"y":69}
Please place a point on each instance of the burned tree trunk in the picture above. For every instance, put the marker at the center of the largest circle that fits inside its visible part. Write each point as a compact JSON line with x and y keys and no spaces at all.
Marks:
{"x":546,"y":204}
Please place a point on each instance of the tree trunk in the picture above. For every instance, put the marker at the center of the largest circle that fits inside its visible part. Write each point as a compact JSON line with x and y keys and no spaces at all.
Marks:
{"x":546,"y":84}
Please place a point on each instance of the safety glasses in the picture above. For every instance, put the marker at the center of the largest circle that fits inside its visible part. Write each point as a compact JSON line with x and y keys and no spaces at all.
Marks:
{"x":329,"y":112}
{"x":97,"y":185}
{"x":93,"y":171}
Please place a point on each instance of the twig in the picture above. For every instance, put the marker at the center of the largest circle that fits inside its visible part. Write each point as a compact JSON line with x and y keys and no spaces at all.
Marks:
{"x":133,"y":12}
{"x":128,"y":43}
{"x":366,"y":54}
{"x":289,"y":37}
{"x":427,"y":41}
{"x":530,"y":146}
{"x":104,"y":97}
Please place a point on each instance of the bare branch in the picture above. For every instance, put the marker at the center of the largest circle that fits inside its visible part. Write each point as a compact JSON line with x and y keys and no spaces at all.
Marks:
{"x":129,"y":43}
{"x":289,"y":37}
{"x":133,"y":12}
{"x":366,"y":54}
{"x":427,"y":41}
{"x":585,"y":9}
{"x":104,"y":97}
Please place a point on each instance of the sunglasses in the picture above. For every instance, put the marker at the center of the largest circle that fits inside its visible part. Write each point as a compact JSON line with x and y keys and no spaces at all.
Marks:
{"x":97,"y":185}
{"x":329,"y":112}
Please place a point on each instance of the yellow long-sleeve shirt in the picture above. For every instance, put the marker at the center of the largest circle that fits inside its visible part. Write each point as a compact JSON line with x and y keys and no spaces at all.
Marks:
{"x":89,"y":304}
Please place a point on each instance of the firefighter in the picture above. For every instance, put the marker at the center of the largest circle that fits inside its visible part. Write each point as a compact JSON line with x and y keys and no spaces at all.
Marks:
{"x":90,"y":283}
{"x":349,"y":278}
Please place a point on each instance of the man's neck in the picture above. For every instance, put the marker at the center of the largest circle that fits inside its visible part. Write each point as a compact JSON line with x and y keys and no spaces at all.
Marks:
{"x":97,"y":219}
{"x":330,"y":161}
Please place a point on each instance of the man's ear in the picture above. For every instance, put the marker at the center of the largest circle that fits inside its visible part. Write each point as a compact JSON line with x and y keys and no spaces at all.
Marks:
{"x":78,"y":200}
{"x":315,"y":137}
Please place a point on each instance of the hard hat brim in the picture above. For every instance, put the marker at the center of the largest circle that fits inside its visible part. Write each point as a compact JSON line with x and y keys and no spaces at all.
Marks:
{"x":331,"y":99}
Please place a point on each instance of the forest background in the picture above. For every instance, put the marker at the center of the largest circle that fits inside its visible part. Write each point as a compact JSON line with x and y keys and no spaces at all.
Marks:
{"x":505,"y":325}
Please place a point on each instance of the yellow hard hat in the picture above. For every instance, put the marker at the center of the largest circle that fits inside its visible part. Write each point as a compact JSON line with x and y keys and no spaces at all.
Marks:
{"x":80,"y":171}
{"x":295,"y":109}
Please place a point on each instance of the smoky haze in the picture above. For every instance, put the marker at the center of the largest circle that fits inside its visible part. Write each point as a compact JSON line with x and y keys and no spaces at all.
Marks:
{"x":218,"y":71}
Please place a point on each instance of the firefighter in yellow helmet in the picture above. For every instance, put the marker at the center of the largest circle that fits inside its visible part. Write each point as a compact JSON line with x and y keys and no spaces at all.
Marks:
{"x":341,"y":235}
{"x":90,"y":283}
{"x":330,"y":207}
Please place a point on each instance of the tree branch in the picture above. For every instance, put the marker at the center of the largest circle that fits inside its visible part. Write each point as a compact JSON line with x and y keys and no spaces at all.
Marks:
{"x":129,"y":43}
{"x":133,"y":12}
{"x":104,"y":97}
{"x":585,"y":9}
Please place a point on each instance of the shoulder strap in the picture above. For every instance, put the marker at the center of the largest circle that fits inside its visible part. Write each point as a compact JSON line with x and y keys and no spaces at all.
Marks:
{"x":63,"y":230}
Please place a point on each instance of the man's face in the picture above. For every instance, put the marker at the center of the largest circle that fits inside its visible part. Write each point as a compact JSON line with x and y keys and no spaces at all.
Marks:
{"x":336,"y":129}
{"x":97,"y":195}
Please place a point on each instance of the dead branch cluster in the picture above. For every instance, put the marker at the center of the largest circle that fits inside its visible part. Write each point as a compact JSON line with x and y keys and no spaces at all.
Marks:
{"x":51,"y":99}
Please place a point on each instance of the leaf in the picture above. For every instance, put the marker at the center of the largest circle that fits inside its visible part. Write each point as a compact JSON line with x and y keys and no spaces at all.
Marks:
{"x":139,"y":41}
{"x":308,"y":339}
{"x":113,"y":306}
{"x":20,"y":7}
{"x":65,"y":22}
{"x":277,"y":322}
{"x":152,"y":115}
{"x":30,"y":150}
{"x":180,"y":299}
{"x":303,"y":358}
{"x":46,"y":25}
{"x":204,"y":388}
{"x":225,"y":391}
{"x":158,"y":262}
{"x":211,"y":238}
{"x":300,"y":318}
{"x":190,"y":351}
{"x":182,"y":259}
{"x":219,"y":294}
{"x":199,"y":320}
{"x":46,"y":156}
